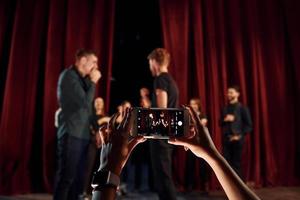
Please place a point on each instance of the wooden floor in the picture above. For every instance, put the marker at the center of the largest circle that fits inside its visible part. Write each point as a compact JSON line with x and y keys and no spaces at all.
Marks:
{"x":277,"y":193}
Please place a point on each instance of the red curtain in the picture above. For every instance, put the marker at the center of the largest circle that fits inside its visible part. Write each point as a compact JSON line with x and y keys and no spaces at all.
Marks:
{"x":213,"y":43}
{"x":41,"y":38}
{"x":251,"y":43}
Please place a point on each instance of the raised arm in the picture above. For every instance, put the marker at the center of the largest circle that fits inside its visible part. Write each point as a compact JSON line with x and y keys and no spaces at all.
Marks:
{"x":116,"y":148}
{"x":201,"y":144}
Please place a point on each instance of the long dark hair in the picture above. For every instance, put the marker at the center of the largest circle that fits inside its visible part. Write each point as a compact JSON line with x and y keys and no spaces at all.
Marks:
{"x":198,"y":102}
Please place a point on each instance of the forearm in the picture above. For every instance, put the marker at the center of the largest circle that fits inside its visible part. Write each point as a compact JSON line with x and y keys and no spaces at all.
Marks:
{"x":233,"y":186}
{"x":161,"y":98}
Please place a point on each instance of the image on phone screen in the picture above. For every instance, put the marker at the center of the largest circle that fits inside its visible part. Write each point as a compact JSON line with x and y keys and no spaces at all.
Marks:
{"x":160,"y":123}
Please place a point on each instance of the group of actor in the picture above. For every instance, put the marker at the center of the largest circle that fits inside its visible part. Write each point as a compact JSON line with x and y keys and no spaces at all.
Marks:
{"x":80,"y":115}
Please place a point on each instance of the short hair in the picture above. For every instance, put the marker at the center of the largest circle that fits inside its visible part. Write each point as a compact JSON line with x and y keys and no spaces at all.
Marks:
{"x":160,"y":55}
{"x":84,"y":52}
{"x":235,"y":87}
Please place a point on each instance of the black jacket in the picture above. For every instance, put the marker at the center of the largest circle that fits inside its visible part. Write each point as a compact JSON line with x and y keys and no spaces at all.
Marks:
{"x":242,"y":123}
{"x":75,"y":96}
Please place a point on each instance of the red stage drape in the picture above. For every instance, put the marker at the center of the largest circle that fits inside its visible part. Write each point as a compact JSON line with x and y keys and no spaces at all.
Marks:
{"x":40,"y":39}
{"x":213,"y":43}
{"x":251,"y":43}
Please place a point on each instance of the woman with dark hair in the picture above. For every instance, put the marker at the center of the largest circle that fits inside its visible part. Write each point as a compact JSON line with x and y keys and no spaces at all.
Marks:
{"x":98,"y":119}
{"x":195,"y":104}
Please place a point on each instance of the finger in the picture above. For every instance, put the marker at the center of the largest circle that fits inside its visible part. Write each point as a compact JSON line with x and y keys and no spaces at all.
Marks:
{"x":127,"y":124}
{"x":125,"y":118}
{"x":103,"y":135}
{"x":191,"y":133}
{"x":195,"y":118}
{"x":112,"y":121}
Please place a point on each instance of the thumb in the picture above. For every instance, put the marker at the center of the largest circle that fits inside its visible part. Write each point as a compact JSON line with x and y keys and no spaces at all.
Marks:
{"x":180,"y":141}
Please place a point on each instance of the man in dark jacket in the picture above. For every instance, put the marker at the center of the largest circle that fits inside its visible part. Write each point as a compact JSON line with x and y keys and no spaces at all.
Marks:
{"x":76,"y":88}
{"x":236,"y":122}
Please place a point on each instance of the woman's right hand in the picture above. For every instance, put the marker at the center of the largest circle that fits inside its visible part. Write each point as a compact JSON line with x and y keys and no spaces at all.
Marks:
{"x":199,"y":142}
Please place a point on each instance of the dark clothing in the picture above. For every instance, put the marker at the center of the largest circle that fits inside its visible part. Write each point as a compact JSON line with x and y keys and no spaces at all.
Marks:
{"x":165,"y":82}
{"x":241,"y":125}
{"x":160,"y":150}
{"x":75,"y":96}
{"x":91,"y":165}
{"x":93,"y":153}
{"x":94,"y":122}
{"x":71,"y":152}
{"x":161,"y":157}
{"x":190,"y":168}
{"x":204,"y":171}
{"x":233,"y":154}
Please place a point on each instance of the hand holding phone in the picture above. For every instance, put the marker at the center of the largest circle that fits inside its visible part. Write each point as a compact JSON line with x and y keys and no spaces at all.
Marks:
{"x":159,"y":123}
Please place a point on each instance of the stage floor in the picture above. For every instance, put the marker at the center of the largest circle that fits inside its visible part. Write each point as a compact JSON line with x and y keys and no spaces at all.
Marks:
{"x":276,"y":193}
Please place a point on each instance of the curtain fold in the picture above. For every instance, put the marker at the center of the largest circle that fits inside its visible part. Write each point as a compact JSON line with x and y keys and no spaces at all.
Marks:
{"x":44,"y":38}
{"x":213,"y":44}
{"x":216,"y":43}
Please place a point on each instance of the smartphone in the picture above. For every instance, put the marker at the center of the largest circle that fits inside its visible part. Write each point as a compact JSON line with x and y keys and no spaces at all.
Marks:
{"x":159,"y":123}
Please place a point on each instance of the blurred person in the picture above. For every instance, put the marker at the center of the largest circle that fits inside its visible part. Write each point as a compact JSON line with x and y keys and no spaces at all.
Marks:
{"x":126,"y":180}
{"x":75,"y":92}
{"x":145,"y":98}
{"x":139,"y":161}
{"x":165,"y":95}
{"x":236,"y":122}
{"x":195,"y":104}
{"x":99,"y":118}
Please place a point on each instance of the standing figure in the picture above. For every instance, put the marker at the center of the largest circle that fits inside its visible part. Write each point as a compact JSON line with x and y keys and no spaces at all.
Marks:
{"x":236,"y":122}
{"x":195,"y":104}
{"x":98,"y":119}
{"x":165,"y":95}
{"x":76,"y":89}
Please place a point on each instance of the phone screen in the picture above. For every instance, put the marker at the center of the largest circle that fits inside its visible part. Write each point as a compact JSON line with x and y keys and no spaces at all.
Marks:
{"x":160,"y":123}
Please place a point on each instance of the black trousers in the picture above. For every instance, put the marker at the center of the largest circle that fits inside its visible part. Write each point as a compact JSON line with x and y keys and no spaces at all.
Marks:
{"x":161,"y":160}
{"x":233,"y":154}
{"x":71,"y":154}
{"x":92,"y":164}
{"x":190,"y":171}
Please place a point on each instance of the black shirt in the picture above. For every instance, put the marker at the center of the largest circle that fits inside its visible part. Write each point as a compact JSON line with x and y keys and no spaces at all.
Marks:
{"x":242,"y":120}
{"x":94,"y":122}
{"x":165,"y":82}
